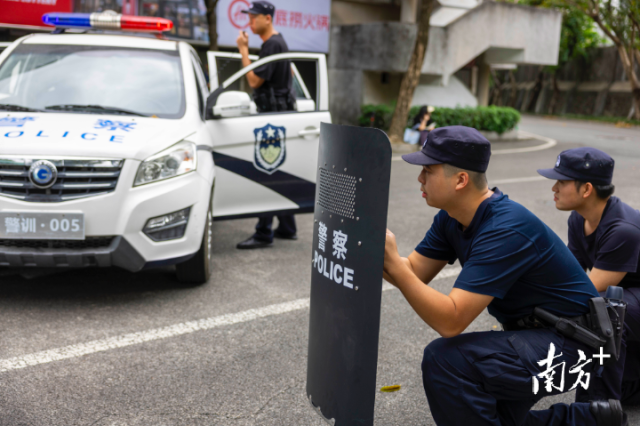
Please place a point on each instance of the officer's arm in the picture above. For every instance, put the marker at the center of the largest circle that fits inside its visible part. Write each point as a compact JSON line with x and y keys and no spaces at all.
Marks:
{"x":252,"y":78}
{"x":388,"y":278}
{"x":603,"y":279}
{"x":448,"y":315}
{"x":423,"y":267}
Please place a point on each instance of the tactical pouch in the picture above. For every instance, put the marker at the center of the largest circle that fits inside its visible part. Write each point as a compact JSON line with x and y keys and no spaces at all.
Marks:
{"x":570,"y":328}
{"x":601,"y":328}
{"x":607,"y":320}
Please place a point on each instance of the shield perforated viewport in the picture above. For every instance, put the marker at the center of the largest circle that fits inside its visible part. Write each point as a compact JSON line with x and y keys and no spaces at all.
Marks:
{"x":338,"y":193}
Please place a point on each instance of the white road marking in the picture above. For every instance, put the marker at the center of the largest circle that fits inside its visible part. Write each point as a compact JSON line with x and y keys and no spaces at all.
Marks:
{"x":75,"y":351}
{"x":122,"y":341}
{"x":548,"y":143}
{"x":517,"y":180}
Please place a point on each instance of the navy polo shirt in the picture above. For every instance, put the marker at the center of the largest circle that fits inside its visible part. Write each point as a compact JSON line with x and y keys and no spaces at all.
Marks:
{"x":510,"y":254}
{"x":613,"y":246}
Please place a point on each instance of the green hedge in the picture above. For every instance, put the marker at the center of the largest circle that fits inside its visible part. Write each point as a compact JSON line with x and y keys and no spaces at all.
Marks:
{"x":491,"y":118}
{"x":378,"y":116}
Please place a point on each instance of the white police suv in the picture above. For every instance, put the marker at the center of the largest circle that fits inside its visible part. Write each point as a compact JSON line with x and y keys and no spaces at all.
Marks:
{"x":108,"y":156}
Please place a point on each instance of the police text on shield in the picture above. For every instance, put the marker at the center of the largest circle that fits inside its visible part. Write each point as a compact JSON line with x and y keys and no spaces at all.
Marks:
{"x":333,"y":270}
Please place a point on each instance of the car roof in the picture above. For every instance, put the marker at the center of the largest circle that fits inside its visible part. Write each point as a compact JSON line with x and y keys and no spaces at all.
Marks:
{"x":110,"y":40}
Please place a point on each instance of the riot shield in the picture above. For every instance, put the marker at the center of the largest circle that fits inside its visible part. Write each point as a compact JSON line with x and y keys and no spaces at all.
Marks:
{"x":352,"y":196}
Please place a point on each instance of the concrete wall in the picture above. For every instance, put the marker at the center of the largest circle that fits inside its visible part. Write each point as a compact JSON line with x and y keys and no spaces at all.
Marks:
{"x":380,"y":88}
{"x":349,"y":12}
{"x":379,"y":46}
{"x":454,"y":94}
{"x":345,"y":97}
{"x":430,"y":91}
{"x":594,"y":87}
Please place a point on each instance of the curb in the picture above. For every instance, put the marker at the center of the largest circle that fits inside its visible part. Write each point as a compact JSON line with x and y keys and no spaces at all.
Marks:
{"x":548,"y":143}
{"x":404,"y":148}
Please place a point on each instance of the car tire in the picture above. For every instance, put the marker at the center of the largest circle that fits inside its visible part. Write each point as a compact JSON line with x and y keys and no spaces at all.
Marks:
{"x":197,"y":270}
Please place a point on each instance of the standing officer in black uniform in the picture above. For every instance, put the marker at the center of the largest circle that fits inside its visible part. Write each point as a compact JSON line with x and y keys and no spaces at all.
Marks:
{"x":272,"y":91}
{"x":513,"y":265}
{"x":604,"y":236}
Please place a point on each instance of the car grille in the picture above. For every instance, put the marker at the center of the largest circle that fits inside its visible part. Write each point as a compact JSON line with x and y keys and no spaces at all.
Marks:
{"x":76,"y":179}
{"x":88,"y":243}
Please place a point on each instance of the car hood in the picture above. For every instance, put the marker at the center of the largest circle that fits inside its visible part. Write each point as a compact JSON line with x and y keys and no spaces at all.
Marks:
{"x":88,"y":135}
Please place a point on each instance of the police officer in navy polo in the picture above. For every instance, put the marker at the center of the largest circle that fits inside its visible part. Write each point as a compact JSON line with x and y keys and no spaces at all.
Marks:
{"x":272,"y":85}
{"x":511,"y":263}
{"x":604,"y":236}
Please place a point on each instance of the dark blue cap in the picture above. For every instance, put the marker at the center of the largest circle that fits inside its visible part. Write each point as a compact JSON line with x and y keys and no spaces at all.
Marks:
{"x":261,"y":8}
{"x":583,"y":164}
{"x":459,"y":146}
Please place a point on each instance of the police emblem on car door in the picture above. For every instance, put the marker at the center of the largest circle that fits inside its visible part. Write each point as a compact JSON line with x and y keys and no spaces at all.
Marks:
{"x":270,"y":148}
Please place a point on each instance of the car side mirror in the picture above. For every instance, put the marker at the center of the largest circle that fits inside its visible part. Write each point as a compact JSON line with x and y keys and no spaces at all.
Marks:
{"x":232,"y":104}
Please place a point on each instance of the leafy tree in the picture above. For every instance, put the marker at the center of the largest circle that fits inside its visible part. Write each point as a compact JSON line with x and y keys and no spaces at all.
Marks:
{"x":213,"y":24}
{"x":619,"y":20}
{"x":578,"y":37}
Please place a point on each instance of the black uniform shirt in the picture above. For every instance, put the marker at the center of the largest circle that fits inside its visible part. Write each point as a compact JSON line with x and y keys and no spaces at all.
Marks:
{"x":276,"y":75}
{"x":613,"y":246}
{"x":508,"y":253}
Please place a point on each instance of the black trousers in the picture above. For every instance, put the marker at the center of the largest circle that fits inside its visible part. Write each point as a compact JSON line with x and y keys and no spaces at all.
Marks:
{"x":286,"y":227}
{"x":487,"y":379}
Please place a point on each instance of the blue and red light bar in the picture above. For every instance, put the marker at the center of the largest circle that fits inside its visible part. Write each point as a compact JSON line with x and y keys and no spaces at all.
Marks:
{"x":107,"y":21}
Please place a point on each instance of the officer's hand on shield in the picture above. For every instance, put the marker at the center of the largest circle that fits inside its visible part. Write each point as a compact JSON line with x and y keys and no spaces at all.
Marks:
{"x":391,"y":257}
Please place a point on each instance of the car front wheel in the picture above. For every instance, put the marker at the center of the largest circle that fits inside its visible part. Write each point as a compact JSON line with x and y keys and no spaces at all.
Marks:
{"x":197,"y":270}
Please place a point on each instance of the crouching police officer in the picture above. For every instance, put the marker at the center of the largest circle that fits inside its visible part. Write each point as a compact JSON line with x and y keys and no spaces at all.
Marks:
{"x":272,"y":92}
{"x":512,"y":263}
{"x":604,"y":236}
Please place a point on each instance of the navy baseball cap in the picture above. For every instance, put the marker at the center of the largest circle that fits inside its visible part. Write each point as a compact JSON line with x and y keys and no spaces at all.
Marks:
{"x":459,"y":146}
{"x":261,"y":8}
{"x":583,"y":164}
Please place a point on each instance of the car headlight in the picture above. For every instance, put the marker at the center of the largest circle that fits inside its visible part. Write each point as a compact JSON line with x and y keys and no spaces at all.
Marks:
{"x":168,"y":227}
{"x":173,"y":161}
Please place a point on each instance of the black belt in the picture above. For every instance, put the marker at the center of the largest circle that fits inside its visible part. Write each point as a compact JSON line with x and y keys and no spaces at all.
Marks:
{"x":532,"y":322}
{"x":601,"y":328}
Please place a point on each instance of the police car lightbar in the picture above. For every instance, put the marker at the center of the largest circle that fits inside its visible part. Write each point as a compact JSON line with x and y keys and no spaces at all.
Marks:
{"x":107,"y":21}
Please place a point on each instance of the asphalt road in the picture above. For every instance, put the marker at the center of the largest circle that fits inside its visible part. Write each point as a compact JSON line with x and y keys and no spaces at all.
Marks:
{"x":245,"y":369}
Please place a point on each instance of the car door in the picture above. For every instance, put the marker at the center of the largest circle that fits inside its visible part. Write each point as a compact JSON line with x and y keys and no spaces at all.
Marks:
{"x":266,"y":162}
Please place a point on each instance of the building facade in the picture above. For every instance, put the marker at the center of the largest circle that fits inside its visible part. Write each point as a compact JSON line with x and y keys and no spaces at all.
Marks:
{"x":372,"y":41}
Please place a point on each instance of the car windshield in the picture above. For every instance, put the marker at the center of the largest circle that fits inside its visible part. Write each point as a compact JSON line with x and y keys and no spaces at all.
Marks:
{"x":93,"y":79}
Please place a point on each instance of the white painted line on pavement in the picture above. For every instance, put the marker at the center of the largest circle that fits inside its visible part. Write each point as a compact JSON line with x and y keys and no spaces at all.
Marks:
{"x":548,"y":143}
{"x":75,"y":351}
{"x":517,"y":180}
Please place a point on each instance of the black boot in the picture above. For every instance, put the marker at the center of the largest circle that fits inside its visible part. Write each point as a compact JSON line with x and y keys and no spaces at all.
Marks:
{"x":253,"y":243}
{"x":608,"y":413}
